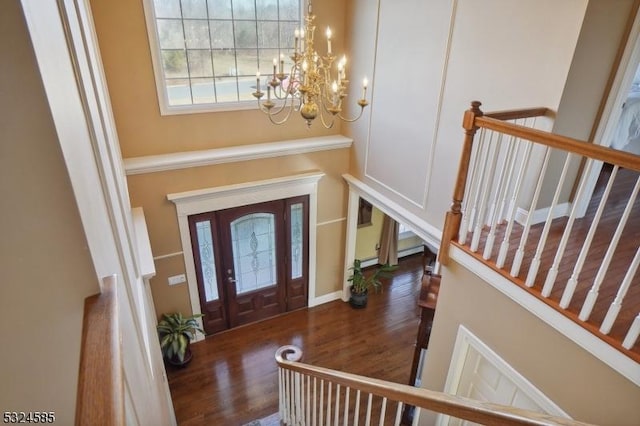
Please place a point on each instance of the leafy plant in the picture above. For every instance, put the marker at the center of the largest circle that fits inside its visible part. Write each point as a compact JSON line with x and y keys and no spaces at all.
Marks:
{"x":175,"y":332}
{"x":360,"y":282}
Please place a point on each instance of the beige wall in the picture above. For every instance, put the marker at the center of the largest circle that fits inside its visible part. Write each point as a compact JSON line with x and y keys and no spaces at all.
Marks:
{"x":580,"y":384}
{"x":150,"y":191}
{"x":122,"y":34}
{"x":602,"y":32}
{"x":46,"y":265}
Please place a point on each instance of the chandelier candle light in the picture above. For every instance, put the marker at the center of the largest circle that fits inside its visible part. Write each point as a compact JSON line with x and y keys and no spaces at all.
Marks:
{"x":314,"y":86}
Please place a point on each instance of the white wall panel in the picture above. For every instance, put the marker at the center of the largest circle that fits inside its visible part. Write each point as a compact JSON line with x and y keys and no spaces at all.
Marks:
{"x":507,"y":55}
{"x":406,"y":94}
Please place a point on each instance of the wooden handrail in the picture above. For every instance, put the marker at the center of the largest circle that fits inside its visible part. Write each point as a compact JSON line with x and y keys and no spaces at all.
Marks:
{"x":475,"y":119}
{"x":456,"y":406}
{"x":576,"y":146}
{"x":100,"y":397}
{"x":514,"y":114}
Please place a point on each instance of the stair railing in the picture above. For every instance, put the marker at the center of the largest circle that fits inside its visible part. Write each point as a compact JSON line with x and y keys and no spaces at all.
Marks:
{"x":315,"y":396}
{"x":100,"y":396}
{"x":509,"y":203}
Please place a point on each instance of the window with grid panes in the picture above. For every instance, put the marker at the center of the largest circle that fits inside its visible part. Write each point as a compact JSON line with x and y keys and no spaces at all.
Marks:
{"x":206,"y":52}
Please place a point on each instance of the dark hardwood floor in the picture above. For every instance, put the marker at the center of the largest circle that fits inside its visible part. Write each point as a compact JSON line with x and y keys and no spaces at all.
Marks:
{"x":233,"y":376}
{"x":622,"y":257}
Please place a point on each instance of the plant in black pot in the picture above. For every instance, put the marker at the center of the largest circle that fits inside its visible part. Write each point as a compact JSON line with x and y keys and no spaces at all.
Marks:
{"x":175,"y":332}
{"x":361,"y":282}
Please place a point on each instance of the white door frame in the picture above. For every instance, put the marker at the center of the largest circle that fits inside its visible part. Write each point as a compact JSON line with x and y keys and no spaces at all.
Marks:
{"x":629,"y":63}
{"x":229,"y":196}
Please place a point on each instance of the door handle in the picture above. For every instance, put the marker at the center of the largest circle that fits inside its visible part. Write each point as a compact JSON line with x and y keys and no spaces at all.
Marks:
{"x":230,"y":279}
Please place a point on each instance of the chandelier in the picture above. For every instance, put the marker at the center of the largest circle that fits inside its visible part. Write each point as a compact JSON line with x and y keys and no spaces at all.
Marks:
{"x":314,"y":86}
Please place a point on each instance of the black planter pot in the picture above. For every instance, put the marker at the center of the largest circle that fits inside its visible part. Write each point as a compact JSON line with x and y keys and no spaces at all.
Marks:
{"x":175,"y":361}
{"x":358,"y":300}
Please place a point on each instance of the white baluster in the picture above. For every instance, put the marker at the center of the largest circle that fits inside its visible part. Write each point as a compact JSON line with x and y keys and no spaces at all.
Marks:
{"x":616,"y":305}
{"x":517,"y":261}
{"x":515,"y":143}
{"x":346,"y":407}
{"x":552,"y":274}
{"x":281,"y":394}
{"x":329,"y":403}
{"x":308,"y":415}
{"x":535,"y":263}
{"x":292,"y":402}
{"x":572,"y":283}
{"x":298,"y":400}
{"x":496,"y":209}
{"x":321,"y":407}
{"x":356,"y":414}
{"x":367,"y":420}
{"x":471,"y":197}
{"x":486,"y":191}
{"x":592,"y":296}
{"x":337,"y":410}
{"x":383,"y":411}
{"x":504,"y":247}
{"x":632,"y":334}
{"x":398,"y":414}
{"x":315,"y":403}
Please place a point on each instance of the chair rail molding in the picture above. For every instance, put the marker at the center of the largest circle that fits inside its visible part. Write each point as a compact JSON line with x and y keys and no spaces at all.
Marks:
{"x":229,"y":196}
{"x":208,"y":157}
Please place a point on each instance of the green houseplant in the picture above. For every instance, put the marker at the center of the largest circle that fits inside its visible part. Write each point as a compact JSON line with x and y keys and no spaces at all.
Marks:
{"x":175,"y":332}
{"x":361,"y":282}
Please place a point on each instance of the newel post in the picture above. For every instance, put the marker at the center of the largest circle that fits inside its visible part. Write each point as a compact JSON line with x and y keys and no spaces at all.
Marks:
{"x":454,"y":215}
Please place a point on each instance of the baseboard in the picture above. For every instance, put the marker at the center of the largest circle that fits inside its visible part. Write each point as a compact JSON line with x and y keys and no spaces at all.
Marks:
{"x":365,"y":263}
{"x":540,"y":215}
{"x":326,"y":298}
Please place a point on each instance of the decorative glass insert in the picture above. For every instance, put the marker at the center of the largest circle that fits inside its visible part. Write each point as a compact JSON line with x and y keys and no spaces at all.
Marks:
{"x":207,"y":260}
{"x":296,"y":240}
{"x":253,"y":240}
{"x":208,"y":51}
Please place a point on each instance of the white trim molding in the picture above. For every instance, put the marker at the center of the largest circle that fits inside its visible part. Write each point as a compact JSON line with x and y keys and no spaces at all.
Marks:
{"x":326,"y":298}
{"x":208,"y":157}
{"x":540,"y":215}
{"x":143,"y":245}
{"x":229,"y":196}
{"x":579,"y":335}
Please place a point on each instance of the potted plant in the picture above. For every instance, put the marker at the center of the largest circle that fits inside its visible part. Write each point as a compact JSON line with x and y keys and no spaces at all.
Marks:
{"x":175,"y":332}
{"x":360,"y":282}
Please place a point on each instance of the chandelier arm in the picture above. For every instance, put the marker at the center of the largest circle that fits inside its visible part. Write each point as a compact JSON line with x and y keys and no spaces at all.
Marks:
{"x":324,"y":123}
{"x":279,"y":109}
{"x":351,"y":120}
{"x":272,"y":115}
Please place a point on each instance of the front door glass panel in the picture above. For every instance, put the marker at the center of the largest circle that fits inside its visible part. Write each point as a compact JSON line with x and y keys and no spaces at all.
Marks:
{"x":207,"y":260}
{"x":296,"y":240}
{"x":253,"y":243}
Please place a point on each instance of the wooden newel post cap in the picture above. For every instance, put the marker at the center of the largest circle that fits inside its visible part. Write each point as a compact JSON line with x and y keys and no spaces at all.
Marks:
{"x":470,"y":116}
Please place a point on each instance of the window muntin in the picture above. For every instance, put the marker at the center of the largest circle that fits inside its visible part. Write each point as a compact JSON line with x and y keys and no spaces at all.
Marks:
{"x":206,"y":52}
